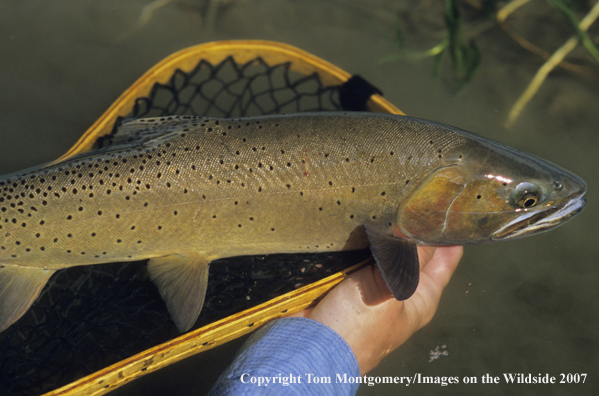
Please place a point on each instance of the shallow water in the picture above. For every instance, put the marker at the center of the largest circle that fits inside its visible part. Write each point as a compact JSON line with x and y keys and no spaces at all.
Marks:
{"x":526,"y":306}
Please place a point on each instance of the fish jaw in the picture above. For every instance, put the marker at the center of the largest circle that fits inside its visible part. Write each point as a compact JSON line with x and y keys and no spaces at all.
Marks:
{"x":534,"y":222}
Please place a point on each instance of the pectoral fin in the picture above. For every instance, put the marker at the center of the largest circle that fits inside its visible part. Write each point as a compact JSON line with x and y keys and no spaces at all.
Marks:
{"x":397,"y":259}
{"x":181,"y":280}
{"x":19,"y":288}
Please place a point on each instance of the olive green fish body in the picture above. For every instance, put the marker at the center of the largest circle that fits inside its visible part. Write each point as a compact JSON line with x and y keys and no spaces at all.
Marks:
{"x":183,"y":191}
{"x":219,"y":188}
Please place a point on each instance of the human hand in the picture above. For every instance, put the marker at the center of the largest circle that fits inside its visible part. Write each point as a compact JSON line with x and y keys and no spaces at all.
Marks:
{"x":363,"y":311}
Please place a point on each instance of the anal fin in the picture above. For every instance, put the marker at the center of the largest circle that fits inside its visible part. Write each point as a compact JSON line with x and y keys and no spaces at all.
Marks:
{"x":397,"y":259}
{"x":182,"y":280}
{"x":19,"y":288}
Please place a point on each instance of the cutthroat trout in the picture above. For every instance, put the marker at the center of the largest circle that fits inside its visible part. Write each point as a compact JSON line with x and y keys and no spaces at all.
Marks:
{"x":183,"y":191}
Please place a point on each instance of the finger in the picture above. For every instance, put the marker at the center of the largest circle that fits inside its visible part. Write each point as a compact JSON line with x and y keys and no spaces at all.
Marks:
{"x":374,"y":292}
{"x":443,"y":264}
{"x":425,"y":255}
{"x":433,"y":279}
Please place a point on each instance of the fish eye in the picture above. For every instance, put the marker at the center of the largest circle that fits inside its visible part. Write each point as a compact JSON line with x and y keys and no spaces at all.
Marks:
{"x":529,"y":201}
{"x":526,"y":195}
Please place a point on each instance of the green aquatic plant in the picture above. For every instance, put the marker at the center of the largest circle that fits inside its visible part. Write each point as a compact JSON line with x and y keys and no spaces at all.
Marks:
{"x":566,"y":8}
{"x":559,"y":55}
{"x":464,"y":56}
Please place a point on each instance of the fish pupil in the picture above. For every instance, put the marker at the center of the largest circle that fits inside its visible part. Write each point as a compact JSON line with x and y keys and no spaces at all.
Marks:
{"x":530,"y":202}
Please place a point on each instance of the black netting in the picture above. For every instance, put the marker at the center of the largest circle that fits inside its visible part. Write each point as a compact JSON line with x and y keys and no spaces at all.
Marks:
{"x":92,"y":316}
{"x":233,"y":90}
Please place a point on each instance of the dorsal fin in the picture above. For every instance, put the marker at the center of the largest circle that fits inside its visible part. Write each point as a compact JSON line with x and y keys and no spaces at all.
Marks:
{"x":148,"y":131}
{"x":143,"y":132}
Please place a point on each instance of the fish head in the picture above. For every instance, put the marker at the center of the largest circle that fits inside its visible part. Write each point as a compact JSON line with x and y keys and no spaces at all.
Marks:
{"x":490,"y":192}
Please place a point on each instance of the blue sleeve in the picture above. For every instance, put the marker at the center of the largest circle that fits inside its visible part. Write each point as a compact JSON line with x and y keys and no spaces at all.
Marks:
{"x":291,"y":356}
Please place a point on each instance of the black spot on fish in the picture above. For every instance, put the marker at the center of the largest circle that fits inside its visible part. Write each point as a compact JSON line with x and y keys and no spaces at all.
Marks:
{"x":482,"y":222}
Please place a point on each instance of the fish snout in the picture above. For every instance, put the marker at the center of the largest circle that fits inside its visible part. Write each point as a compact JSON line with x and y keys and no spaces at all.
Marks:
{"x":572,"y":186}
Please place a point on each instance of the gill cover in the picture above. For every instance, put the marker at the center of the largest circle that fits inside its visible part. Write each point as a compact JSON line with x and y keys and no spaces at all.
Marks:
{"x":423,"y":215}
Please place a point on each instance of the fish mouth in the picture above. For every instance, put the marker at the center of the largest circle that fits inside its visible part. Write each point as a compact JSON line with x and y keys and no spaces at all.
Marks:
{"x":540,"y":220}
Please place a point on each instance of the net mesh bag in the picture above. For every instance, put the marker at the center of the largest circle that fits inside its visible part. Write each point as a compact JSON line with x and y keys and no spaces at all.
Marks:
{"x":90,"y":317}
